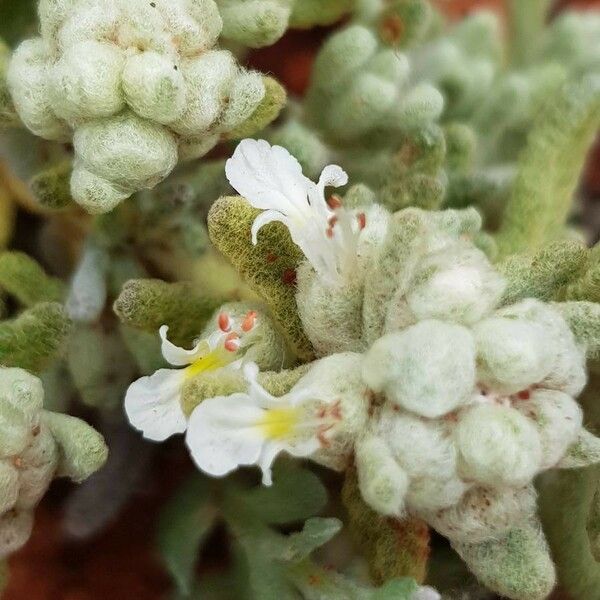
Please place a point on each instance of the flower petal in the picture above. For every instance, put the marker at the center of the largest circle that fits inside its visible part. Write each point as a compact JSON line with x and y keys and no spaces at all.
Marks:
{"x":267,"y":217}
{"x":177,"y":356}
{"x":269,"y":177}
{"x":334,"y":176}
{"x":153,"y":405}
{"x":267,"y":456}
{"x":223,"y":434}
{"x":257,"y":394}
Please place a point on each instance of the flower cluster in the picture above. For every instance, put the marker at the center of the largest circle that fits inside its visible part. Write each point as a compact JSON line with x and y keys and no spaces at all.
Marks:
{"x":135,"y":84}
{"x":449,"y":399}
{"x":153,"y":403}
{"x":320,"y":416}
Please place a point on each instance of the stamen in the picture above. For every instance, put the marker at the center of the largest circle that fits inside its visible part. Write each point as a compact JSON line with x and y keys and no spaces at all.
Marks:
{"x":331,"y":222}
{"x":232,"y":342}
{"x":249,"y":321}
{"x":224,"y":321}
{"x":334,"y":202}
{"x":524,"y":395}
{"x":362,"y":220}
{"x":321,"y":431}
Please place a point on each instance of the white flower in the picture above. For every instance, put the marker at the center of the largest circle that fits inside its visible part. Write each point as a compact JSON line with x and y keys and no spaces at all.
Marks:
{"x":153,"y":403}
{"x":253,"y":428}
{"x":271,"y":179}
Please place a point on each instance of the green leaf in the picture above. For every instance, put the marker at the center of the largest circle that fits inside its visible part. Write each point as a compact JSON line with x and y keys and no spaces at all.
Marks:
{"x":269,"y":266}
{"x":34,"y":339}
{"x":396,"y":589}
{"x":550,"y":166}
{"x":584,"y":320}
{"x":526,"y":25}
{"x":316,"y":532}
{"x":22,"y":277}
{"x":296,"y":494}
{"x":82,"y":449}
{"x":149,"y":303}
{"x":544,"y":274}
{"x":184,"y":524}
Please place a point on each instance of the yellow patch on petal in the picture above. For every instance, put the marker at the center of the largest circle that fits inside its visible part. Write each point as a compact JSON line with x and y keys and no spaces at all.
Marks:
{"x":210,"y":362}
{"x":279,"y":423}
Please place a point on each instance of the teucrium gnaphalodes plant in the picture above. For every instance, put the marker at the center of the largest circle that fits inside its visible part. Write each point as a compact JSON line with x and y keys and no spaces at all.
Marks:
{"x":451,"y":401}
{"x":137,"y":86}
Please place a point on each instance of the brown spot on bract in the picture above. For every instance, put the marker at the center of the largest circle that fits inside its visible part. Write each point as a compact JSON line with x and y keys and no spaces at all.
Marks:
{"x":289,"y":277}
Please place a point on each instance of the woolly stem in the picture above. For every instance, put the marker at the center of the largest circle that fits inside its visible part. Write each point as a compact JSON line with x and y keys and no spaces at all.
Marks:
{"x":392,"y":547}
{"x":526,"y":24}
{"x":550,"y":166}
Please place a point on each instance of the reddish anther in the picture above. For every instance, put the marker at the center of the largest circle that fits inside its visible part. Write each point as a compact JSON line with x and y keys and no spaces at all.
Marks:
{"x":249,"y":321}
{"x":232,"y":342}
{"x":362,"y":220}
{"x":334,"y":202}
{"x":524,"y":395}
{"x":224,"y":321}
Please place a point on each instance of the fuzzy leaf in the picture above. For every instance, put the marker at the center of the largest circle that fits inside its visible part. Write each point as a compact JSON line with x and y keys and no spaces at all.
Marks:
{"x":584,"y":320}
{"x":22,"y":277}
{"x":544,"y":274}
{"x":393,"y":548}
{"x":34,"y":338}
{"x":517,"y":565}
{"x":266,"y":112}
{"x":269,"y":267}
{"x":52,"y":186}
{"x":583,"y":453}
{"x":184,"y":524}
{"x":526,"y":24}
{"x":565,"y":500}
{"x":88,"y":289}
{"x":149,"y":303}
{"x":308,"y":13}
{"x":316,"y":533}
{"x":550,"y":166}
{"x":82,"y":448}
{"x":296,"y":494}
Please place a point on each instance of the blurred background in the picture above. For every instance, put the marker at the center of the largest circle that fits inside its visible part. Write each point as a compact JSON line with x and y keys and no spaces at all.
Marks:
{"x":110,"y":557}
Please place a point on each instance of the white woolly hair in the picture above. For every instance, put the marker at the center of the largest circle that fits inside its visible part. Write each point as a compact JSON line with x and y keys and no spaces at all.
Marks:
{"x":145,"y":71}
{"x":428,"y":369}
{"x":512,"y":354}
{"x":484,"y":513}
{"x":497,"y":446}
{"x":559,"y":420}
{"x":568,"y":367}
{"x":456,"y":284}
{"x":336,"y":379}
{"x":426,"y":494}
{"x":382,"y":482}
{"x":423,"y":447}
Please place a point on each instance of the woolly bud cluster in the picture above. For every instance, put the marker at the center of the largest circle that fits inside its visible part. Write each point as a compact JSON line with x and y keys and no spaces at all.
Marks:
{"x":464,"y":63}
{"x":475,"y":398}
{"x":360,"y":88}
{"x":34,"y":448}
{"x":136,"y":84}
